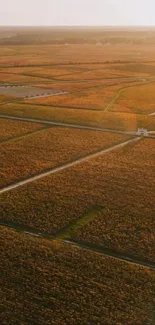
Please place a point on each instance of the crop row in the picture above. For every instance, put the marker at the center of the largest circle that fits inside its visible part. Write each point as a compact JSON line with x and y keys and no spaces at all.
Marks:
{"x":112,"y":120}
{"x":97,"y":98}
{"x":53,"y":283}
{"x":76,"y":85}
{"x":122,"y":182}
{"x":10,"y":128}
{"x":137,"y":99}
{"x":49,"y":148}
{"x":77,"y":53}
{"x":127,"y":221}
{"x":14,"y":78}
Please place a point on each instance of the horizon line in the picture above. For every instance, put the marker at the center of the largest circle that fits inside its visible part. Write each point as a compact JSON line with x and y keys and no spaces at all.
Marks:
{"x":106,"y":26}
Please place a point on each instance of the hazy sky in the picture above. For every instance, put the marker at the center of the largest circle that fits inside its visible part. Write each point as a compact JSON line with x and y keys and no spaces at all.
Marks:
{"x":77,"y":12}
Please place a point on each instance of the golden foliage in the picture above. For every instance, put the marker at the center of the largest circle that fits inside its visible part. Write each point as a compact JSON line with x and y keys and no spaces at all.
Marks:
{"x":49,"y":148}
{"x":121,"y":181}
{"x":47,"y":282}
{"x":138,"y":99}
{"x":10,"y":128}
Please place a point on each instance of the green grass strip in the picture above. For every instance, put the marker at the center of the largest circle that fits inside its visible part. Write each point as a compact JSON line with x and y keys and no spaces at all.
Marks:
{"x":67,"y":232}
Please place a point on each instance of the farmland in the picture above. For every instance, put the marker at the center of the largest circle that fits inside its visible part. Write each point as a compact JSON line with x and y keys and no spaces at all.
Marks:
{"x":14,"y":78}
{"x":77,"y":215}
{"x":138,"y":99}
{"x":97,"y":98}
{"x":48,"y":148}
{"x":10,"y":129}
{"x":56,"y":282}
{"x":110,"y":120}
{"x":101,"y":183}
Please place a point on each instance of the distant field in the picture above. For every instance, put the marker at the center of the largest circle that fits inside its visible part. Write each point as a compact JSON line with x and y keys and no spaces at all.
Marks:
{"x":42,"y":71}
{"x":80,"y":53}
{"x":10,"y":129}
{"x":137,"y":99}
{"x":14,"y":78}
{"x":78,"y":85}
{"x":138,"y":68}
{"x":56,"y":282}
{"x":49,"y":148}
{"x":93,"y":74}
{"x":112,"y":120}
{"x":93,"y":98}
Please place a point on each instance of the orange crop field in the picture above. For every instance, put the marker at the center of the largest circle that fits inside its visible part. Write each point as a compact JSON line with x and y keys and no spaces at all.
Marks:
{"x":49,"y":148}
{"x":137,"y":99}
{"x":93,"y":98}
{"x":77,"y":170}
{"x":109,"y":182}
{"x":10,"y":129}
{"x":72,"y":86}
{"x":82,"y":283}
{"x":126,"y":220}
{"x":139,"y":69}
{"x":15,"y":78}
{"x":110,"y":120}
{"x":41,"y":71}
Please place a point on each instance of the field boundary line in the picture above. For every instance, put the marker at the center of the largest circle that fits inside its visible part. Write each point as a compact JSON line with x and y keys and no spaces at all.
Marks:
{"x":110,"y":253}
{"x":26,"y":135}
{"x":93,"y":248}
{"x":68,"y":125}
{"x":67,"y":165}
{"x":117,"y":95}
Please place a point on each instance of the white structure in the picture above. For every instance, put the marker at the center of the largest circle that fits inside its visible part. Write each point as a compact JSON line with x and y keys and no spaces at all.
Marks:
{"x":99,"y":43}
{"x":142,"y":131}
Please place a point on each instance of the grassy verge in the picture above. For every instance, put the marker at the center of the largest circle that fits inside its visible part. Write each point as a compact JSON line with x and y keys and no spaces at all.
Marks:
{"x":67,"y":232}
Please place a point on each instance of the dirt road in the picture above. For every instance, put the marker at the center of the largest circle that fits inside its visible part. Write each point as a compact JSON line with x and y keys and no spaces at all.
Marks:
{"x":75,"y":126}
{"x":66,"y":166}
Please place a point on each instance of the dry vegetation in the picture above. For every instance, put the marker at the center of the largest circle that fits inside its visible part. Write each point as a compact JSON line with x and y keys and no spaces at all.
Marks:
{"x":78,"y":85}
{"x":50,"y":148}
{"x":17,"y":78}
{"x":138,"y":99}
{"x":112,"y":120}
{"x":139,"y":69}
{"x":121,"y":182}
{"x":52,"y":283}
{"x":91,"y":98}
{"x":106,"y":202}
{"x":126,"y":222}
{"x":10,"y":129}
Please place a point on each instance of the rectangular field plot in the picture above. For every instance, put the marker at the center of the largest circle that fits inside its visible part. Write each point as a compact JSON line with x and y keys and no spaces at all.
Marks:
{"x":137,"y":99}
{"x":93,"y":98}
{"x":57,"y":281}
{"x":137,"y":68}
{"x":78,"y":86}
{"x":28,"y":91}
{"x":110,"y":120}
{"x":41,"y":71}
{"x":15,"y":78}
{"x":49,"y":148}
{"x":126,"y":223}
{"x":11,"y":128}
{"x":120,"y":182}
